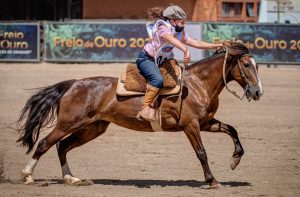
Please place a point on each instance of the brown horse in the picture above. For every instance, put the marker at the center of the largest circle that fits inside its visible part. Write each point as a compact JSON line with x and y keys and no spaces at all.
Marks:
{"x":84,"y":109}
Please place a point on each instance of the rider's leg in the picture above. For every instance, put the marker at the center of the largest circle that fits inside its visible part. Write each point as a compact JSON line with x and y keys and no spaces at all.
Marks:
{"x":152,"y":74}
{"x":146,"y":111}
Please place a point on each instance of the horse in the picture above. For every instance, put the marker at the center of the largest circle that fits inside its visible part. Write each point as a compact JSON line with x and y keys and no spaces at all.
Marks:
{"x":84,"y":108}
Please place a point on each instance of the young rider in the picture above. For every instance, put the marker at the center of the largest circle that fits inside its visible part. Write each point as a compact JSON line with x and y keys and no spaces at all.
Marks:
{"x":166,"y":33}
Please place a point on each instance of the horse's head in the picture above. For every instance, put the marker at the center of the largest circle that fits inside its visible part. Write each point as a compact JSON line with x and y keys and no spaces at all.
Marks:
{"x":244,"y":69}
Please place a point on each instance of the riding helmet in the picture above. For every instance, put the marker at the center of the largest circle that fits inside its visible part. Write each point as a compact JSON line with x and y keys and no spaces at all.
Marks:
{"x":174,"y":12}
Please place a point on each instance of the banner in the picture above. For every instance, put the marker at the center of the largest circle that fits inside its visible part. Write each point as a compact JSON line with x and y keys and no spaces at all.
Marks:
{"x":19,"y":42}
{"x":93,"y":42}
{"x":100,"y":41}
{"x":278,"y":44}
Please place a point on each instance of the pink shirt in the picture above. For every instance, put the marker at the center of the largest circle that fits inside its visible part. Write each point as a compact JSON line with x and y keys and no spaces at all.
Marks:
{"x":157,"y":41}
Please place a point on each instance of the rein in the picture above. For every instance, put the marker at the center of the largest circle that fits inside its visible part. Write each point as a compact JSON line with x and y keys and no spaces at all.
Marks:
{"x":242,"y":74}
{"x":181,"y":88}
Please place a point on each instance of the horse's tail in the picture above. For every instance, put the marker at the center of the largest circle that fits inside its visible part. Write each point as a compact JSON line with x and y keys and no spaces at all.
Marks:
{"x":40,"y":110}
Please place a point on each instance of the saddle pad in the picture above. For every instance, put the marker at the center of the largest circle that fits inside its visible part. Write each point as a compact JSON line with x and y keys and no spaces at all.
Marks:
{"x":136,"y":82}
{"x":121,"y":90}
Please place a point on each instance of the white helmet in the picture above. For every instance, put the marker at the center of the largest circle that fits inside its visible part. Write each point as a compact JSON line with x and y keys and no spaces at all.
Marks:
{"x":174,"y":12}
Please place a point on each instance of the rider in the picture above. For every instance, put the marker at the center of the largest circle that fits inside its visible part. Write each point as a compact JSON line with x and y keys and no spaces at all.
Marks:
{"x":166,"y":33}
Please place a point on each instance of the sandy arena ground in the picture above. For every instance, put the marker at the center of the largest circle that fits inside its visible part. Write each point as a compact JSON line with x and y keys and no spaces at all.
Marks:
{"x":128,"y":163}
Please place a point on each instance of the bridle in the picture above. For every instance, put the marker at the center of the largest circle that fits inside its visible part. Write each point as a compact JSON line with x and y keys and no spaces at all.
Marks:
{"x":243,"y":75}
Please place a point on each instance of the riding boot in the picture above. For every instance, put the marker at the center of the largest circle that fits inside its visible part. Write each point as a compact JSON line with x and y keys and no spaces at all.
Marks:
{"x":146,"y":111}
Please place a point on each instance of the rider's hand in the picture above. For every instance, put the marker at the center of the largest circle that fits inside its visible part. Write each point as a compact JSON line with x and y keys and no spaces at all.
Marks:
{"x":219,"y":46}
{"x":187,"y":57}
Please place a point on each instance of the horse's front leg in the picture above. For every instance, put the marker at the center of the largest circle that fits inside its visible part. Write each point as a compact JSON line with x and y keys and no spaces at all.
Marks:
{"x":193,"y":133}
{"x":217,"y":126}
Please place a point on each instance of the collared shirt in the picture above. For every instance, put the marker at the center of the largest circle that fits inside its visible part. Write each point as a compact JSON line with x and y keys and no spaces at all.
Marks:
{"x":154,"y":44}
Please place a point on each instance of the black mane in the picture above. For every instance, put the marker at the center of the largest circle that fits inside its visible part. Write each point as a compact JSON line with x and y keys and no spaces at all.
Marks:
{"x":234,"y":48}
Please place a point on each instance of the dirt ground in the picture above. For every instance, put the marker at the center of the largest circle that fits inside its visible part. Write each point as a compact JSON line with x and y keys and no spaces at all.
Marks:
{"x":129,"y":163}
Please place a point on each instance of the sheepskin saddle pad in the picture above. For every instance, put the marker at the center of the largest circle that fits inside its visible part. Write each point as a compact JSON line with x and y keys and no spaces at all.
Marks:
{"x":133,"y":83}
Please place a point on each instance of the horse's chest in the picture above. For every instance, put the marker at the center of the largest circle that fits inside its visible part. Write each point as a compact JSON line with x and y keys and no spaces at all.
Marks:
{"x":203,"y":110}
{"x":209,"y":111}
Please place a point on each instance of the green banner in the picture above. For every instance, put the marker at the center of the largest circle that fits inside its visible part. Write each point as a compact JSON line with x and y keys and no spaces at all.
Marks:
{"x":94,"y":42}
{"x":278,"y":44}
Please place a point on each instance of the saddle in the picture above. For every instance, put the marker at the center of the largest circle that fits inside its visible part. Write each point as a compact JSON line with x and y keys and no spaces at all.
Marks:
{"x":132,"y":83}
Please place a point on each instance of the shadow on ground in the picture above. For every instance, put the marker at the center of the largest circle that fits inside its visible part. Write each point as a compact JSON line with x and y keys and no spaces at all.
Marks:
{"x":141,"y":183}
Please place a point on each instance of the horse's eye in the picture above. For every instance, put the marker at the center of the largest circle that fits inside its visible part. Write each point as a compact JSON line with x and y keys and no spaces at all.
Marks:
{"x":246,"y":65}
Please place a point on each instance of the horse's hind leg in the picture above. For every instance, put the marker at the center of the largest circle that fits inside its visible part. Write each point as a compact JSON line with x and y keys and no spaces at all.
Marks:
{"x":43,"y":146}
{"x":217,"y":126}
{"x":74,"y":140}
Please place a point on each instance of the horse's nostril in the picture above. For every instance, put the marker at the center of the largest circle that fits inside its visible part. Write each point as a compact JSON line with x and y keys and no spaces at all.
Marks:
{"x":257,"y":93}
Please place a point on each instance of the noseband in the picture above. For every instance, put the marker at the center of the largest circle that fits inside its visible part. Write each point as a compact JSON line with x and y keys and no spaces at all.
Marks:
{"x":242,"y":73}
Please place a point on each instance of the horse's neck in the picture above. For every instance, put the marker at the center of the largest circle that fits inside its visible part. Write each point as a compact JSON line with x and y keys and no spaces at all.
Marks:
{"x":209,"y":75}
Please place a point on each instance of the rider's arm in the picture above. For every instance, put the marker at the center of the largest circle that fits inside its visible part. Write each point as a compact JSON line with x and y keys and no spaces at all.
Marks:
{"x":201,"y":44}
{"x":175,"y":42}
{"x":179,"y":45}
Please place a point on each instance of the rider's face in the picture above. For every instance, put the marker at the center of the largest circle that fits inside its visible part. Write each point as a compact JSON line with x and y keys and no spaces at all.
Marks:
{"x":178,"y":22}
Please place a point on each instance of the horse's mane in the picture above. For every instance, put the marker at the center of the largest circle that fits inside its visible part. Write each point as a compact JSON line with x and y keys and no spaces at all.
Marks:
{"x":234,"y":48}
{"x":213,"y":56}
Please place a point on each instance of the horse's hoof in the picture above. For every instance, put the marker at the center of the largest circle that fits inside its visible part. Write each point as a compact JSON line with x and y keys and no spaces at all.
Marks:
{"x":27,"y":177}
{"x":234,"y":162}
{"x":73,"y":181}
{"x":29,"y":180}
{"x":69,"y":180}
{"x":215,"y":185}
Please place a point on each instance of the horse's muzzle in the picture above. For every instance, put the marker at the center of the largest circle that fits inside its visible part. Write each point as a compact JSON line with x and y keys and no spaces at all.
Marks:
{"x":254,"y":92}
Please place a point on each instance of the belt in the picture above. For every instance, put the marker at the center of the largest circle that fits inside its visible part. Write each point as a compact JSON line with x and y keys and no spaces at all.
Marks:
{"x":147,"y":54}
